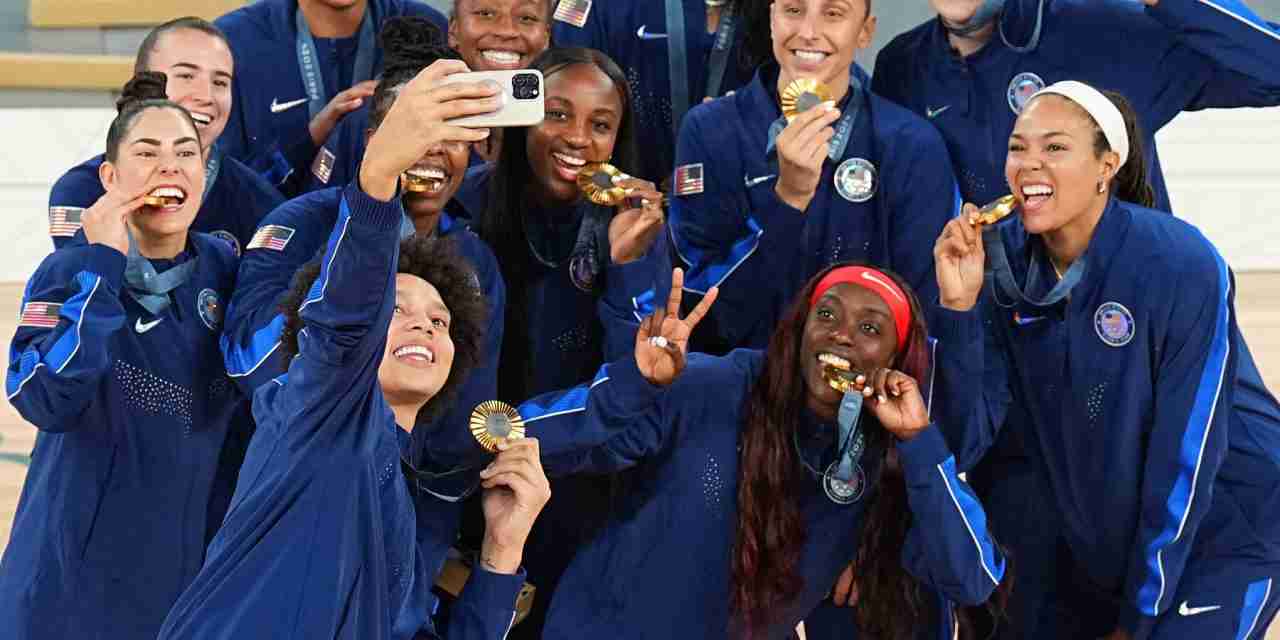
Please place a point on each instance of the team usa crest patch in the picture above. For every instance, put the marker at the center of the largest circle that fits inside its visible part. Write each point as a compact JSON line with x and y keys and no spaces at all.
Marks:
{"x":573,"y":12}
{"x":1114,"y":324}
{"x":64,"y":222}
{"x":226,"y":237}
{"x":1021,"y":88}
{"x":41,"y":315}
{"x":855,"y":180}
{"x":689,"y":179}
{"x":210,"y":309}
{"x":272,"y":236}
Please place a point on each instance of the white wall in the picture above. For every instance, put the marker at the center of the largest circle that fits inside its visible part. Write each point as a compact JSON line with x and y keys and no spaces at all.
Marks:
{"x":1223,"y":168}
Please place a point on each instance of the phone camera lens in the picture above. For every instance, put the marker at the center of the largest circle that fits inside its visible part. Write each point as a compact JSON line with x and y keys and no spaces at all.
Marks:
{"x":524,"y":86}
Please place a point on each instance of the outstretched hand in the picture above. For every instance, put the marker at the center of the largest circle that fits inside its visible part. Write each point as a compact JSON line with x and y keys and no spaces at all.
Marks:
{"x":662,"y":341}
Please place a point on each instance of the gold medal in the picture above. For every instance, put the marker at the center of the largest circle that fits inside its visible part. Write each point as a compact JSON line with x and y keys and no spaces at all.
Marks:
{"x":801,"y":95}
{"x":419,"y":184}
{"x":493,"y":422}
{"x":841,"y":380}
{"x":994,"y":211}
{"x":596,"y":182}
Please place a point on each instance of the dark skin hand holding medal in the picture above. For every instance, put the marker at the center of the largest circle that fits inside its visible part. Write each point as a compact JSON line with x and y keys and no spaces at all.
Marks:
{"x":639,"y":217}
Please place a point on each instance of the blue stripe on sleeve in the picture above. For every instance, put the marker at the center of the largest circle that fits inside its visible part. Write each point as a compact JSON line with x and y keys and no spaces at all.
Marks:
{"x":570,"y":402}
{"x":242,"y":361}
{"x":1190,"y":451}
{"x":975,"y":520}
{"x":316,"y":293}
{"x":1240,"y":11}
{"x":1255,"y":602}
{"x":704,"y":274}
{"x":66,"y":346}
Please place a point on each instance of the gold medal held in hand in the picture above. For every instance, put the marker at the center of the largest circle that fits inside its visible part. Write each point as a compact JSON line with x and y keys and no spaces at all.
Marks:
{"x":422,"y":180}
{"x":495,"y":421}
{"x":801,"y":95}
{"x":994,"y":211}
{"x":596,"y":182}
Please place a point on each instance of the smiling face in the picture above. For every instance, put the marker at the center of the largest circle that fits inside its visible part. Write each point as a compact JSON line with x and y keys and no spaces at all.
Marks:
{"x":1053,"y":167}
{"x":818,"y":39}
{"x":199,"y":68}
{"x":848,"y":325}
{"x":583,"y":116}
{"x":499,"y":34}
{"x":419,"y":350}
{"x":436,"y":177}
{"x":160,"y":155}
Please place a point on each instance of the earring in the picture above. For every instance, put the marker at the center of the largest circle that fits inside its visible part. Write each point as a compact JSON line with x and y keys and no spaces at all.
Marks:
{"x":1102,"y":186}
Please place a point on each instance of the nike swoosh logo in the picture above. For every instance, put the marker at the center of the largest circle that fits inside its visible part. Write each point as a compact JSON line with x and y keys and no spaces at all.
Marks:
{"x":1184,"y":610}
{"x":1023,"y":321}
{"x":933,"y":113}
{"x":644,"y":35}
{"x":277,"y":107}
{"x":751,"y":182}
{"x":143,"y":327}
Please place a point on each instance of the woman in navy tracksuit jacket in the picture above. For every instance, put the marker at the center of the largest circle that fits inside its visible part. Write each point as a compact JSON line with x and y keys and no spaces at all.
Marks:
{"x":115,"y":362}
{"x":727,"y":525}
{"x":327,"y":534}
{"x":1113,"y":335}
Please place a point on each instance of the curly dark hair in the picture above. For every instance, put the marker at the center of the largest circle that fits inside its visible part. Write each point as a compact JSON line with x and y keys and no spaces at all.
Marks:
{"x":437,"y":261}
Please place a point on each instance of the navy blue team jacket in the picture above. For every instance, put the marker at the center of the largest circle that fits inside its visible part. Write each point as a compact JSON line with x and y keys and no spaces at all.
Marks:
{"x":1179,"y":55}
{"x":238,"y":199}
{"x":267,"y":129}
{"x":662,"y":570}
{"x":319,"y":541}
{"x":293,"y":235}
{"x":634,"y":34}
{"x":1131,"y":404}
{"x":135,"y":460}
{"x":734,"y":232}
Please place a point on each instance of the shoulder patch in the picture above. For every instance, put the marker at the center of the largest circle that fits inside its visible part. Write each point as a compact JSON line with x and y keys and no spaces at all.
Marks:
{"x":688,"y":180}
{"x":573,"y":12}
{"x":43,"y":315}
{"x":64,"y":222}
{"x":271,"y":236}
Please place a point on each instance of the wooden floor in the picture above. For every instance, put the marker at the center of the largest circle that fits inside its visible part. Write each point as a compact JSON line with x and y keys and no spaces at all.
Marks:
{"x":1257,"y":303}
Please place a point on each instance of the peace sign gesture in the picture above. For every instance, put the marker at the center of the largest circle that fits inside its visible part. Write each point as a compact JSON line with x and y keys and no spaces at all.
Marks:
{"x":663,"y":338}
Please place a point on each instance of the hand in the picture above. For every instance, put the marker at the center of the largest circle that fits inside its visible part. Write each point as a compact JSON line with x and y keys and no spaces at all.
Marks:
{"x":342,"y":104}
{"x":660,"y":363}
{"x":416,"y":122}
{"x":894,"y":398}
{"x":105,"y":222}
{"x":515,"y":490}
{"x":802,"y":148}
{"x":631,"y":232}
{"x":846,"y":592}
{"x":958,"y":260}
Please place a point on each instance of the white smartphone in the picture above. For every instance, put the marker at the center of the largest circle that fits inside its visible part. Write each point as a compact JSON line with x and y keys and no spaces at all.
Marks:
{"x":522,"y":101}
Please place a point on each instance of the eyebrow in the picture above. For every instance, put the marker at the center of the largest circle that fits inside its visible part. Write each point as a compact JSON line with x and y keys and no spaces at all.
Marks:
{"x":1051,"y":134}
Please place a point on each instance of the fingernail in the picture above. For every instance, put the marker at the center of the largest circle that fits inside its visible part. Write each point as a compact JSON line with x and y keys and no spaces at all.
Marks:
{"x":883,"y":399}
{"x":503,"y":446}
{"x":829,"y":105}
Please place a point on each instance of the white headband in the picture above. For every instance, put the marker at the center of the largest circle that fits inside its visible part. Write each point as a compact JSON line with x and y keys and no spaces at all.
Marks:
{"x":1103,"y":111}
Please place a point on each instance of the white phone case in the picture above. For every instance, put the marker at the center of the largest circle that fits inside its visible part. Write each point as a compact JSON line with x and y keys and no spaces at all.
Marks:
{"x":522,"y":104}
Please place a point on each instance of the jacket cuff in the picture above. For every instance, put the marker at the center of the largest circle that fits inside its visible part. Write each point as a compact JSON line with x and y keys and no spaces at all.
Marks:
{"x":950,"y":327}
{"x":492,"y":594}
{"x":370,"y":211}
{"x":922,"y":454}
{"x":106,"y":262}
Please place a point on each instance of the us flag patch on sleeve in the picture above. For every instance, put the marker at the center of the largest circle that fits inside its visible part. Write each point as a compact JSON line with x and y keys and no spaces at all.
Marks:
{"x":43,"y":315}
{"x":272,"y":236}
{"x":64,"y":222}
{"x":688,"y":179}
{"x":322,"y":166}
{"x":574,"y":12}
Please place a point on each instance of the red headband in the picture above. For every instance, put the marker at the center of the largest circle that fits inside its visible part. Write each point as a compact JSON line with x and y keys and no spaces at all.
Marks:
{"x":878,"y":283}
